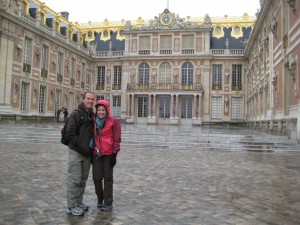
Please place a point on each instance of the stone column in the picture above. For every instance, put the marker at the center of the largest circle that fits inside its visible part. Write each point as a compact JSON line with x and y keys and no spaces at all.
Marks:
{"x":200,"y":106}
{"x":172,"y":107}
{"x":176,"y":107}
{"x":128,"y":106}
{"x":132,"y":106}
{"x":149,"y":106}
{"x":194,"y":112}
{"x":154,"y":106}
{"x":6,"y":56}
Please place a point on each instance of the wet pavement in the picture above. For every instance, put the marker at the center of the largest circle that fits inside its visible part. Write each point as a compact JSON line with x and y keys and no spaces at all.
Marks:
{"x":154,"y":186}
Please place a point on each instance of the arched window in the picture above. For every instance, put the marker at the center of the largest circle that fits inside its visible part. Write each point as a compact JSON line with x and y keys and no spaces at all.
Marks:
{"x":165,"y":73}
{"x":187,"y":73}
{"x":144,"y":74}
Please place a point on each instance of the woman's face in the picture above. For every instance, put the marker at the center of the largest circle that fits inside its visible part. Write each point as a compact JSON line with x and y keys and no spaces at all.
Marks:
{"x":101,"y":111}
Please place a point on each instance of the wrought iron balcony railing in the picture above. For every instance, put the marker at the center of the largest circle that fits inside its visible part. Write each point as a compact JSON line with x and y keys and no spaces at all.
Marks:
{"x":237,"y":87}
{"x":72,"y":81}
{"x":164,"y":87}
{"x":116,"y":87}
{"x":44,"y":73}
{"x":26,"y":68}
{"x":99,"y":86}
{"x":217,"y":87}
{"x":59,"y":78}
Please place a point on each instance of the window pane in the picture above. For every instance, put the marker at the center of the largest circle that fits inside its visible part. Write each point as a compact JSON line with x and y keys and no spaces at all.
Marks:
{"x":165,"y":73}
{"x":216,"y":112}
{"x":142,"y":106}
{"x":217,"y":77}
{"x":144,"y":74}
{"x":83,"y":72}
{"x":187,"y":73}
{"x":42,"y":99}
{"x":116,"y":106}
{"x":45,"y":57}
{"x":73,"y":68}
{"x":187,"y":41}
{"x":186,"y":107}
{"x":60,"y":63}
{"x":236,"y":77}
{"x":144,"y":43}
{"x":101,"y":76}
{"x":165,"y":42}
{"x":27,"y":51}
{"x":164,"y":106}
{"x":236,"y":108}
{"x":24,"y":94}
{"x":117,"y":77}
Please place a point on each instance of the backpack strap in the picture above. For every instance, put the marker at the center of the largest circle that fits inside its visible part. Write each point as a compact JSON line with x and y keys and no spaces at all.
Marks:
{"x":81,"y":116}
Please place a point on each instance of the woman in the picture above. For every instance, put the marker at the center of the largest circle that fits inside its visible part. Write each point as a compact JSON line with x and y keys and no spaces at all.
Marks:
{"x":107,"y":132}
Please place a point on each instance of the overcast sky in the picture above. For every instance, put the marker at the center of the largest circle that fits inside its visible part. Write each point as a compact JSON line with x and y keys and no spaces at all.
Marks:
{"x":116,"y":10}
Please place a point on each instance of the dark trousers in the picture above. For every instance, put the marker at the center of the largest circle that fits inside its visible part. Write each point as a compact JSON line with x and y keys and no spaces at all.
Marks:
{"x":103,"y":179}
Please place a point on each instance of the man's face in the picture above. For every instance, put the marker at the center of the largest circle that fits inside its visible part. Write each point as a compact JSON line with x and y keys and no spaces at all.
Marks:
{"x":88,"y":101}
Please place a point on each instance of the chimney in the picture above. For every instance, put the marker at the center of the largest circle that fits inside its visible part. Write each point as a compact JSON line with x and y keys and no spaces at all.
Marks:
{"x":65,"y":14}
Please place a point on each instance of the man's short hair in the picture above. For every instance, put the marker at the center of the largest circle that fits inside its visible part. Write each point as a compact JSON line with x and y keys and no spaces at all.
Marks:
{"x":84,"y":94}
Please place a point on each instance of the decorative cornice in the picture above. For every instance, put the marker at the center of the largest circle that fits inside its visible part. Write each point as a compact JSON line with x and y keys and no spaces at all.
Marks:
{"x":206,"y":22}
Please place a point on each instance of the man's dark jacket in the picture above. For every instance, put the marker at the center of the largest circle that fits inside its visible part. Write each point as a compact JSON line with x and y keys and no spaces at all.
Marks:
{"x":80,"y":133}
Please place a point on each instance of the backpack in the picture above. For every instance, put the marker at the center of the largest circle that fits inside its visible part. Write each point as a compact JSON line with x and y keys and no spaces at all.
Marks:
{"x":64,"y":140}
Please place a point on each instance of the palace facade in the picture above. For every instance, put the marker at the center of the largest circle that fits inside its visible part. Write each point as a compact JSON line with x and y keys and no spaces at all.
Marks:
{"x":164,"y":70}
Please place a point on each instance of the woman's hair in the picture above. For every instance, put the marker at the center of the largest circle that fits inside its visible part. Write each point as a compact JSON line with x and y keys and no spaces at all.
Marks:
{"x":97,"y":106}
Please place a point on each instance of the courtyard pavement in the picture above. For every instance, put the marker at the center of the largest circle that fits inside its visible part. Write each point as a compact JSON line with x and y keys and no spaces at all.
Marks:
{"x":154,"y":186}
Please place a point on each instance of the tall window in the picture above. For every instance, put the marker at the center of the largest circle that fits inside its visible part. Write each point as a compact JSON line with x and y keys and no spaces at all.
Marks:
{"x":42,"y":98}
{"x":116,"y":106}
{"x":166,"y":44}
{"x":60,"y":63}
{"x":188,"y":44}
{"x":142,"y":106}
{"x":186,"y":107}
{"x":45,"y":51}
{"x":24,"y":96}
{"x":99,"y":97}
{"x":100,"y":78}
{"x":70,"y":101}
{"x":164,"y":106}
{"x":58,"y":99}
{"x":236,"y":108}
{"x":117,"y":78}
{"x":165,"y":73}
{"x":187,"y":73}
{"x":144,"y":45}
{"x":83,"y":72}
{"x":144,"y":74}
{"x":217,"y":77}
{"x":73,"y":69}
{"x":216,"y":110}
{"x":27,"y":51}
{"x":237,"y":77}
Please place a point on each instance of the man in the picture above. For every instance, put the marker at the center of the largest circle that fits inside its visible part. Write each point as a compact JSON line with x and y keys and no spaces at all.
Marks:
{"x":80,"y":133}
{"x":66,"y":113}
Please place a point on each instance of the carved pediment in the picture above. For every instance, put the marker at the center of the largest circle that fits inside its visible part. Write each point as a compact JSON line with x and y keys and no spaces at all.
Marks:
{"x":167,"y":20}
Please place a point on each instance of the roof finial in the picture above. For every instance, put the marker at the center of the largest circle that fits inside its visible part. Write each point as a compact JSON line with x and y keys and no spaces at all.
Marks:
{"x":168,"y":4}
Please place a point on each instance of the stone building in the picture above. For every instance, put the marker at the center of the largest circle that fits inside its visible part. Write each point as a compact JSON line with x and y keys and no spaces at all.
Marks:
{"x":164,"y":70}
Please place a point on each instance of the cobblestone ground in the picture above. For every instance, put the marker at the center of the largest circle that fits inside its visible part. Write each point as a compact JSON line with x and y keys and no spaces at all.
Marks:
{"x":172,"y":187}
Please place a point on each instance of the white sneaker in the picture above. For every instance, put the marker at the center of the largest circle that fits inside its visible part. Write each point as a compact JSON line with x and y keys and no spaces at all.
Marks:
{"x":83,"y":207}
{"x":76,"y":211}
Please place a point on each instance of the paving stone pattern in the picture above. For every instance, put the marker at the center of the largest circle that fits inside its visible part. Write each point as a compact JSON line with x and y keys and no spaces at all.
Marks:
{"x":159,"y":184}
